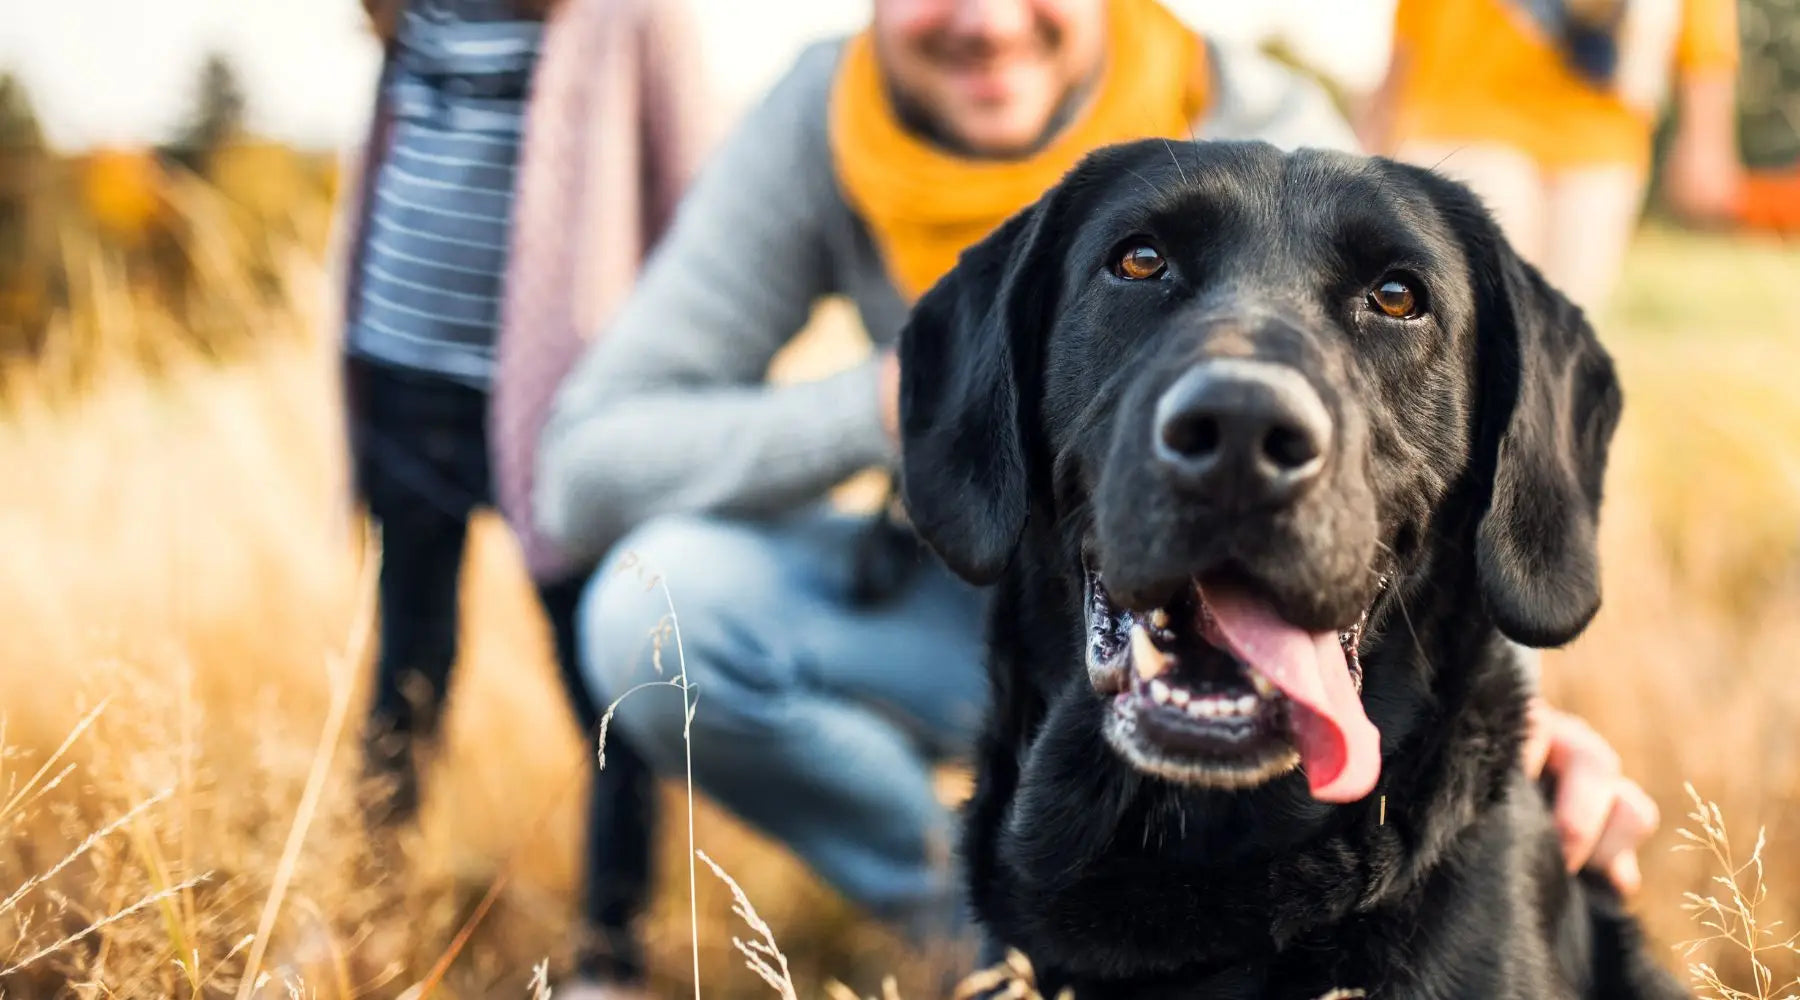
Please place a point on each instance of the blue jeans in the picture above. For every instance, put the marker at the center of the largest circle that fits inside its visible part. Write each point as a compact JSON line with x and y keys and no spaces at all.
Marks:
{"x":816,"y":721}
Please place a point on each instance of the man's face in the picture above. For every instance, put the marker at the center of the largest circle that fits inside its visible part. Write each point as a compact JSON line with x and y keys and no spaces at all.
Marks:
{"x":990,"y":74}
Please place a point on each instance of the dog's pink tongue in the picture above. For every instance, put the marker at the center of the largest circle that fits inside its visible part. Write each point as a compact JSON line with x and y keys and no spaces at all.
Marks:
{"x":1339,"y":747}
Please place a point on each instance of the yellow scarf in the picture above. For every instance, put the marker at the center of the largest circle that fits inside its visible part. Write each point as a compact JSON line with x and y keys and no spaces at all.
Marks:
{"x":924,"y":205}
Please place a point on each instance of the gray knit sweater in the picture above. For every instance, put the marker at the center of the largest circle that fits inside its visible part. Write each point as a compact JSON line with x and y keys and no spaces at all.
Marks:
{"x":669,"y":410}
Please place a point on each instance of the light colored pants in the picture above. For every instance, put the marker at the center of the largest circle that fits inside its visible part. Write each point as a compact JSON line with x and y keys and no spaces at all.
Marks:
{"x":818,"y":721}
{"x":1574,"y":224}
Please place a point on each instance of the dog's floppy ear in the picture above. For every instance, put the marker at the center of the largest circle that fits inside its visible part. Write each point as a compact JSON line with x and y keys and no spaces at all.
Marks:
{"x":967,"y":355}
{"x":1551,"y":402}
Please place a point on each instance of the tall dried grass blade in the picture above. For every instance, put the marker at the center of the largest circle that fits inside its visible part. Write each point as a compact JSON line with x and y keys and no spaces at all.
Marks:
{"x":338,"y":676}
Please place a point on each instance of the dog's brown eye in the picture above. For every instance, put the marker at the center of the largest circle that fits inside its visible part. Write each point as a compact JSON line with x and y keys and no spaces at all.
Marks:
{"x":1139,"y":262}
{"x":1395,"y":298}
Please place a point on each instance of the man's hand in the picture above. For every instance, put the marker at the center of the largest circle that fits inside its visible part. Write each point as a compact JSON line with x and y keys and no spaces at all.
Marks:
{"x":888,"y":393}
{"x":1601,"y":815}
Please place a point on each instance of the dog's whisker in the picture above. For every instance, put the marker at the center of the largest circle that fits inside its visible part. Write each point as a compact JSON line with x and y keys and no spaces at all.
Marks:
{"x":1393,"y":580}
{"x":1194,"y":145}
{"x":1446,"y":157}
{"x":1153,"y":189}
{"x":1411,"y":630}
{"x":1179,"y":169}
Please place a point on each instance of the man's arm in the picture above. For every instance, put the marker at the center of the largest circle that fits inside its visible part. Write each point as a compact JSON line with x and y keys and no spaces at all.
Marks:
{"x":669,"y":410}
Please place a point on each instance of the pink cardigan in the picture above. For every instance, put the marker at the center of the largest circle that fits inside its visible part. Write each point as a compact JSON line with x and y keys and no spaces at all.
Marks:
{"x":613,"y":133}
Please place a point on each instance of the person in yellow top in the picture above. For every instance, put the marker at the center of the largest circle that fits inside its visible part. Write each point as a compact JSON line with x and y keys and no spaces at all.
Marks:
{"x":1547,"y":107}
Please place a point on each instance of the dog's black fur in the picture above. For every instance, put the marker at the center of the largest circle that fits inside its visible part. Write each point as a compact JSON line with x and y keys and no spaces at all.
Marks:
{"x":1469,"y":450}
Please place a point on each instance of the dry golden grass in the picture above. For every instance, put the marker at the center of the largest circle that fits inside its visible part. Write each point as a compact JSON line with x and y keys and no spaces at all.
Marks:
{"x":1732,"y":913}
{"x":1689,"y":669}
{"x":180,"y":683}
{"x":179,"y":562}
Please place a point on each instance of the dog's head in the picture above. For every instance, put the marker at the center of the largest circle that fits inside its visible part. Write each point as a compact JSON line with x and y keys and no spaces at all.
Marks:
{"x":1228,"y":394}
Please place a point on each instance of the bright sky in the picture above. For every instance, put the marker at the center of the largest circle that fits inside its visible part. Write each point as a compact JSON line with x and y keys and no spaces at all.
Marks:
{"x":122,"y":71}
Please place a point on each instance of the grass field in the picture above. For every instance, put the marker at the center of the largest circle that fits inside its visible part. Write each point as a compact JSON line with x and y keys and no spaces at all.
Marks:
{"x":181,"y":679}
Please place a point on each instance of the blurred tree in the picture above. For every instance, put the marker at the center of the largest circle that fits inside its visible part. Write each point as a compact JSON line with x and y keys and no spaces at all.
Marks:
{"x":19,"y":131}
{"x":1770,"y":83}
{"x":1769,"y":86}
{"x":24,"y":231}
{"x":217,"y":117}
{"x":1769,"y":115}
{"x":123,"y":193}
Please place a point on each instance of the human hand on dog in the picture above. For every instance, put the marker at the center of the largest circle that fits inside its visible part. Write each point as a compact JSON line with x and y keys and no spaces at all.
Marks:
{"x":1601,"y":815}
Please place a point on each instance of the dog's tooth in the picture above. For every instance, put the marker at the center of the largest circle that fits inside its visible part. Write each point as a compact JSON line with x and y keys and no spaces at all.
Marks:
{"x":1209,"y":707}
{"x":1246,"y":704}
{"x":1180,"y":697}
{"x":1196,"y":708}
{"x":1262,"y":685}
{"x":1160,"y":692}
{"x":1159,"y":619}
{"x":1146,"y":659}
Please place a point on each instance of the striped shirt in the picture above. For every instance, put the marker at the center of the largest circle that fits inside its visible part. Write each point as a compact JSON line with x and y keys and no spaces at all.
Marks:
{"x":437,"y":232}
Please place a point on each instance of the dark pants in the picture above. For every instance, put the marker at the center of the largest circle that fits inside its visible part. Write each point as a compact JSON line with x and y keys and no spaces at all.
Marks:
{"x":422,"y":467}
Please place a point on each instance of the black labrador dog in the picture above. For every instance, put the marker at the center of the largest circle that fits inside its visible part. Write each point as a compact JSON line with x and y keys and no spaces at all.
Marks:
{"x":1266,"y":453}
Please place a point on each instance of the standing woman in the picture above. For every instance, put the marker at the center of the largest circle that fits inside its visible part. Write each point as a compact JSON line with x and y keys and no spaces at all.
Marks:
{"x":522,"y":158}
{"x":1547,"y":108}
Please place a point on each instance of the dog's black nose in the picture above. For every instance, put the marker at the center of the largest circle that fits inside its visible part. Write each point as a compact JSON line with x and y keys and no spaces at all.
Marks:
{"x":1242,"y":433}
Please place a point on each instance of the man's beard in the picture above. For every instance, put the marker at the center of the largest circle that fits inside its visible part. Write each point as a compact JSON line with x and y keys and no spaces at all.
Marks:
{"x":920,"y":121}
